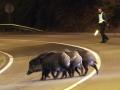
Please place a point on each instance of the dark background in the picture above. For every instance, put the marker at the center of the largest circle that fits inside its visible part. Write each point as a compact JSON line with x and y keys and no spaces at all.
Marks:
{"x":60,"y":15}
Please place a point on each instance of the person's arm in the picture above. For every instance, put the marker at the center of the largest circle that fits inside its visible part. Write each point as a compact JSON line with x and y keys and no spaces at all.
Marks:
{"x":106,"y":19}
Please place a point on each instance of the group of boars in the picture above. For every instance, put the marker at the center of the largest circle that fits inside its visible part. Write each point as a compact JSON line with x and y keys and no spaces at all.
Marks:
{"x":62,"y":64}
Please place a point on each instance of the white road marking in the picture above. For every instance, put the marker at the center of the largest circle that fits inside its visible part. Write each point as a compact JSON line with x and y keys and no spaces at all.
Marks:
{"x":21,"y":26}
{"x":91,"y":74}
{"x":9,"y":62}
{"x":89,"y":50}
{"x":98,"y":60}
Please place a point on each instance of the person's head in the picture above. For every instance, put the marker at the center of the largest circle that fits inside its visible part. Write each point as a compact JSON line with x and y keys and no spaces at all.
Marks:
{"x":100,"y":10}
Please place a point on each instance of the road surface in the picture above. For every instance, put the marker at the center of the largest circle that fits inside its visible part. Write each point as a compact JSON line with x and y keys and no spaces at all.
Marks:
{"x":25,"y":47}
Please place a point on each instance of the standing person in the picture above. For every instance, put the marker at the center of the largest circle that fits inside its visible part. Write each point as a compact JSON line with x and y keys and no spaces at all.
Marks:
{"x":103,"y":22}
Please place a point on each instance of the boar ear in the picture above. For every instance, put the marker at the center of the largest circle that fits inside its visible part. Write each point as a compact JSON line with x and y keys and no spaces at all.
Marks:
{"x":66,"y":50}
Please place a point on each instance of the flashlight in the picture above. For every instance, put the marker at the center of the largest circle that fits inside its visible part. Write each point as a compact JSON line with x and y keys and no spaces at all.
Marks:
{"x":96,"y":32}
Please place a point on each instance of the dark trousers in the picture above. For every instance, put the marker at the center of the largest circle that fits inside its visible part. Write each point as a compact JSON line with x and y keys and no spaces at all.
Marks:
{"x":102,"y":27}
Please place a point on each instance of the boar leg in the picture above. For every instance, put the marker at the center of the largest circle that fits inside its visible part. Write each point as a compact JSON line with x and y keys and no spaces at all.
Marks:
{"x":95,"y":67}
{"x":43,"y":75}
{"x":76,"y":69}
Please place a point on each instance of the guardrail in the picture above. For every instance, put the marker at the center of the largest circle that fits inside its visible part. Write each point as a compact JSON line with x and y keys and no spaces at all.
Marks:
{"x":19,"y":27}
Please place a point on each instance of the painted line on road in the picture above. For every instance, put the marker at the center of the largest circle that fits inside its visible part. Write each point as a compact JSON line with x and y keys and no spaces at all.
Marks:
{"x":9,"y":62}
{"x":89,"y":50}
{"x":91,"y":74}
{"x":21,"y":26}
{"x":98,"y":60}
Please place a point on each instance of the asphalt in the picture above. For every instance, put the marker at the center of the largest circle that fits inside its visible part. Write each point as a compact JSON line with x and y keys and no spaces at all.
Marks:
{"x":25,"y":47}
